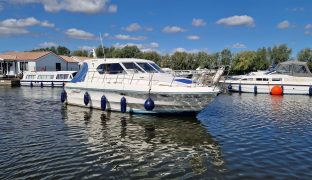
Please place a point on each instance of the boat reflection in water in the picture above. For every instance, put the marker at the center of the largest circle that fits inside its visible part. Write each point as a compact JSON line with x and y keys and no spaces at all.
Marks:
{"x":139,"y":146}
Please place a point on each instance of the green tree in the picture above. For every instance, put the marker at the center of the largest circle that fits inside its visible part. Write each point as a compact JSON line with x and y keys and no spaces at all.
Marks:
{"x":213,"y":60}
{"x":262,"y":59}
{"x":226,"y":57}
{"x":244,"y":62}
{"x":62,"y":50}
{"x":152,"y":55}
{"x":202,"y":59}
{"x":165,"y":61}
{"x":305,"y":55}
{"x":280,"y":53}
{"x":130,"y":52}
{"x":53,"y":49}
{"x":82,"y":53}
{"x":99,"y":52}
{"x":179,"y":61}
{"x":191,"y":61}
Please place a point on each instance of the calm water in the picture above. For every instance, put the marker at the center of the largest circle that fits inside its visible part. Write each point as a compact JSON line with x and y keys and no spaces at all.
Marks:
{"x":237,"y":136}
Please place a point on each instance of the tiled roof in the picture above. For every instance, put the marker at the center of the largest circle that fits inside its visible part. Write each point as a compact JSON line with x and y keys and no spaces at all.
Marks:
{"x":24,"y":56}
{"x":68,"y":59}
{"x":81,"y":58}
{"x":5,"y":56}
{"x":74,"y":58}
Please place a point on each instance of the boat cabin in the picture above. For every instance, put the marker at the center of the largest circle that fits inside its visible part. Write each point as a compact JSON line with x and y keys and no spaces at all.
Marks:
{"x":122,"y":66}
{"x":47,"y":78}
{"x":129,"y":67}
{"x":293,"y":68}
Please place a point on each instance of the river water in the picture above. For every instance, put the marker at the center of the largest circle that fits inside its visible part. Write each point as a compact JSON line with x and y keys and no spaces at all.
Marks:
{"x":236,"y":136}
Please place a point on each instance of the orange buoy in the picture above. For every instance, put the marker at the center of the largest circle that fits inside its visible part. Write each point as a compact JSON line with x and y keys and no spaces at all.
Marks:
{"x":277,"y":90}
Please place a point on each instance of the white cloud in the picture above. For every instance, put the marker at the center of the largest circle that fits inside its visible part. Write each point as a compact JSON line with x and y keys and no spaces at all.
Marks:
{"x":83,"y":6}
{"x":173,"y":29}
{"x":143,"y":47}
{"x":86,"y":48}
{"x":193,"y":37}
{"x":6,"y":31}
{"x":283,"y":25}
{"x":20,"y":22}
{"x":238,"y":46}
{"x":198,"y":22}
{"x":154,"y":45}
{"x":79,"y":34}
{"x":297,"y":9}
{"x":243,"y":20}
{"x":133,"y":27}
{"x":47,"y":24}
{"x":19,"y":26}
{"x":128,"y":37}
{"x":112,"y":8}
{"x":106,"y":34}
{"x":48,"y":44}
{"x":136,"y":27}
{"x":308,"y":26}
{"x":307,"y":32}
{"x":180,"y":49}
{"x":148,"y":29}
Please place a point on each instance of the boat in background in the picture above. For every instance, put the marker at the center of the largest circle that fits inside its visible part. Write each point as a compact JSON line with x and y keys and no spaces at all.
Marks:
{"x":290,"y":77}
{"x":136,"y":86}
{"x":47,"y":78}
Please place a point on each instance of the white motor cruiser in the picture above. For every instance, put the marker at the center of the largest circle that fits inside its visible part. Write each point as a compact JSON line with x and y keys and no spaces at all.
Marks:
{"x":290,"y":77}
{"x":47,"y":78}
{"x":136,"y":86}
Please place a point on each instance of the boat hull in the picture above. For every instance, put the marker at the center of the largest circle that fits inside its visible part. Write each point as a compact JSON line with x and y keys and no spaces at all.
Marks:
{"x":164,"y":102}
{"x":43,"y":83}
{"x":266,"y":88}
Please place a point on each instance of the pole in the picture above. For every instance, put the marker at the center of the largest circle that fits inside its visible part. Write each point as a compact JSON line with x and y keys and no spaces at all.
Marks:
{"x":102,"y":45}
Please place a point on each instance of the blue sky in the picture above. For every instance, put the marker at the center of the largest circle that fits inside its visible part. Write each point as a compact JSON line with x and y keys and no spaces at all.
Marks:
{"x":161,"y":25}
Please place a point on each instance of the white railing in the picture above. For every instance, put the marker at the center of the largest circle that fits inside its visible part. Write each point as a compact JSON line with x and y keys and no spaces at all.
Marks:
{"x":207,"y":78}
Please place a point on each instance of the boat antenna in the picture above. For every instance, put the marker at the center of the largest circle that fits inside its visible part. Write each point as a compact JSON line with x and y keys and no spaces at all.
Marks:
{"x":102,"y":45}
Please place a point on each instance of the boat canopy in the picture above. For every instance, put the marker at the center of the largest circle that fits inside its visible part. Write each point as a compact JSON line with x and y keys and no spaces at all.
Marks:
{"x":293,"y":68}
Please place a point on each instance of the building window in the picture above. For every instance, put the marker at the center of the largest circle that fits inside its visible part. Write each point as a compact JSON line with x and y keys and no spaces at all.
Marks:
{"x":24,"y":66}
{"x":58,"y":66}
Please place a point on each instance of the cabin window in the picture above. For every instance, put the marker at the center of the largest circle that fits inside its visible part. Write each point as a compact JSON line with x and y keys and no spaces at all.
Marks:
{"x":300,"y":69}
{"x":62,"y":76}
{"x":132,"y":67}
{"x":276,"y":79}
{"x":45,"y":76}
{"x":258,"y":79}
{"x":282,"y":68}
{"x":265,"y":79}
{"x":114,"y":68}
{"x":30,"y":76}
{"x":245,"y":79}
{"x":155,"y":66}
{"x":147,"y":67}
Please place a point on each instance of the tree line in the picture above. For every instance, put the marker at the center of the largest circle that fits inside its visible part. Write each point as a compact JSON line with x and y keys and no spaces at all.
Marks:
{"x":240,"y":62}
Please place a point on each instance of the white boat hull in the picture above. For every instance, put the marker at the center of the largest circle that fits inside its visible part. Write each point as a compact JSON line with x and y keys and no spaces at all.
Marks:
{"x":43,"y":83}
{"x":164,"y":102}
{"x":266,"y":88}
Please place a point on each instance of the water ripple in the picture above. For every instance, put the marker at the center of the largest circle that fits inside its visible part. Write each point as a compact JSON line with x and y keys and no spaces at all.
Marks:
{"x":262,"y":136}
{"x":41,"y":139}
{"x":237,"y":136}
